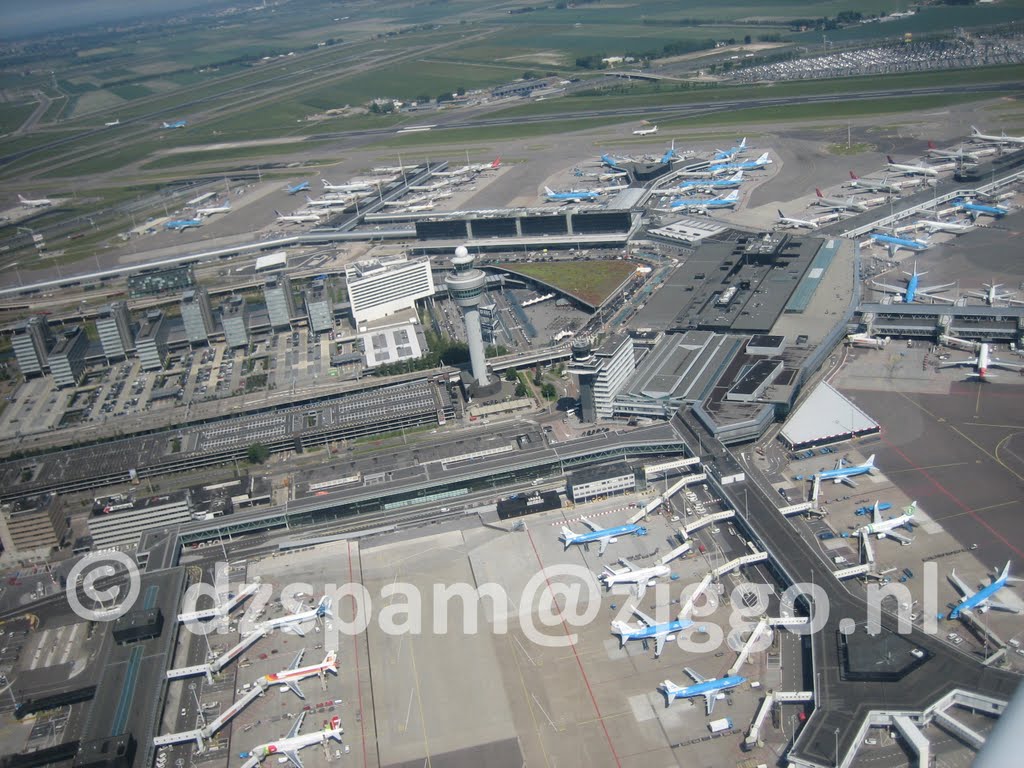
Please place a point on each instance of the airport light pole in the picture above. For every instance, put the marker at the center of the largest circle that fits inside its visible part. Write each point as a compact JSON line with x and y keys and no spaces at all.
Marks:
{"x":836,"y":733}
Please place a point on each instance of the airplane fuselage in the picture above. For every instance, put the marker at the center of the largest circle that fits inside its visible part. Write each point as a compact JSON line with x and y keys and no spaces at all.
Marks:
{"x":619,"y":530}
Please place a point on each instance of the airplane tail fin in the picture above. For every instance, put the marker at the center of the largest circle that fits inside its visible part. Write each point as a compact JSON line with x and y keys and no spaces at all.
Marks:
{"x":854,"y":176}
{"x":871,"y":461}
{"x":566,"y":537}
{"x":331,"y":658}
{"x":743,"y":143}
{"x":734,"y":195}
{"x":975,"y":131}
{"x":548,"y":191}
{"x":323,"y":608}
{"x":931,"y":144}
{"x":497,"y":162}
{"x":909,"y":511}
{"x":277,"y":213}
{"x":622,"y":630}
{"x":669,"y":689}
{"x":817,"y":192}
{"x":889,"y":159}
{"x":781,"y":214}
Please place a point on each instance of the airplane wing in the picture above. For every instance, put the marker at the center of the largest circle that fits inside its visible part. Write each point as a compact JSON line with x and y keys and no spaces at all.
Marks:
{"x":928,"y":295}
{"x":993,"y":363}
{"x":846,"y":481}
{"x":294,"y":730}
{"x":294,"y":687}
{"x":293,"y":757}
{"x":641,"y":589}
{"x":888,"y":288}
{"x":709,"y":701}
{"x":603,"y":544}
{"x":995,"y":605}
{"x":956,"y":363}
{"x":899,"y":537}
{"x":297,"y":660}
{"x":966,"y":591}
{"x":294,"y":629}
{"x":590,"y":524}
{"x":659,"y":643}
{"x":629,"y":565}
{"x":644,"y":617}
{"x":694,"y":675}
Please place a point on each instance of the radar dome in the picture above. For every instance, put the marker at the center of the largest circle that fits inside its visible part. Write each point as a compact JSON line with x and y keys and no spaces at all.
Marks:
{"x":461,"y":252}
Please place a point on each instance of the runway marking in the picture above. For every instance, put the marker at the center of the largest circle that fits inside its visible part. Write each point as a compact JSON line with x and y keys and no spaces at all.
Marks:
{"x":579,"y":663}
{"x":930,"y":466}
{"x":998,"y":426}
{"x":956,"y":500}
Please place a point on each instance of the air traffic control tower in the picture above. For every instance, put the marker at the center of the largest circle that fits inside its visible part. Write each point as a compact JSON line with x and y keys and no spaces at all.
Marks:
{"x":466,"y":286}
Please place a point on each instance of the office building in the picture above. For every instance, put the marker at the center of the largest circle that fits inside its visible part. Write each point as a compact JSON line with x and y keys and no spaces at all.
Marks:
{"x":121,"y":524}
{"x":67,"y":360}
{"x":601,"y":374}
{"x":33,"y":526}
{"x":318,"y":308}
{"x":114,"y":326}
{"x":30,"y":340}
{"x":466,"y":286}
{"x":197,"y":315}
{"x":277,"y":292}
{"x":151,"y":343}
{"x":234,"y":316}
{"x":381,"y":287}
{"x":609,"y":480}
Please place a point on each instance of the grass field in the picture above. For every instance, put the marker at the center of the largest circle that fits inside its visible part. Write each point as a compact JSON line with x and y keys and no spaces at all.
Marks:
{"x":591,"y":281}
{"x":13,"y":115}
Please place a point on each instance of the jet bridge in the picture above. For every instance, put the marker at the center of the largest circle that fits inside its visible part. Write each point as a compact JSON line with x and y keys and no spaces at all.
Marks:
{"x":224,"y":609}
{"x":794,"y":509}
{"x":849,"y":573}
{"x":867,"y":548}
{"x":913,"y":736}
{"x":762,"y":625}
{"x":180,"y":738}
{"x":753,"y":736}
{"x":701,"y":522}
{"x":198,"y":736}
{"x":958,"y":729}
{"x":667,"y":466}
{"x":221,"y":661}
{"x":721,"y":570}
{"x":657,"y":501}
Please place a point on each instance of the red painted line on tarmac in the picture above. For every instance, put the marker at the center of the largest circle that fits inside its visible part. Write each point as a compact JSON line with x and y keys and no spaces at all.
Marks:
{"x":355,"y":663}
{"x":948,"y":494}
{"x":579,"y":663}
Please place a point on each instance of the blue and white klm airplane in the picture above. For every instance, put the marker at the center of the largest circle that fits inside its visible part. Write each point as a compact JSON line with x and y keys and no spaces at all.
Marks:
{"x":611,"y":161}
{"x":711,"y":689}
{"x":729,"y":201}
{"x":712,"y":184}
{"x":302,"y":186}
{"x":727,"y":154}
{"x":602,"y":535}
{"x":182,"y":224}
{"x":743,"y":165}
{"x":982,"y":599}
{"x":572,"y":196}
{"x":670,"y":153}
{"x":976,"y":209}
{"x":843,"y":474}
{"x":913,"y":290}
{"x":894,"y":243}
{"x":649,"y":628}
{"x":175,"y":124}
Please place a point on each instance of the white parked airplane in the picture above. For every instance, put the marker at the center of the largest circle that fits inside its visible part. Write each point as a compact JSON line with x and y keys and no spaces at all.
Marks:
{"x":839,"y":204}
{"x":641,"y":578}
{"x":213,"y":209}
{"x":789,"y":221}
{"x":291,"y":677}
{"x":1004,"y":139}
{"x":934,"y":151}
{"x":992,"y":296}
{"x":41,"y":202}
{"x":919,"y":170}
{"x":869,"y":185}
{"x":882,"y":528}
{"x":937,"y":225}
{"x":328,"y":202}
{"x":355,"y":186}
{"x":112,"y":123}
{"x":299,"y":217}
{"x":289,"y":746}
{"x":645,"y":131}
{"x":982,"y":363}
{"x":427,"y":206}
